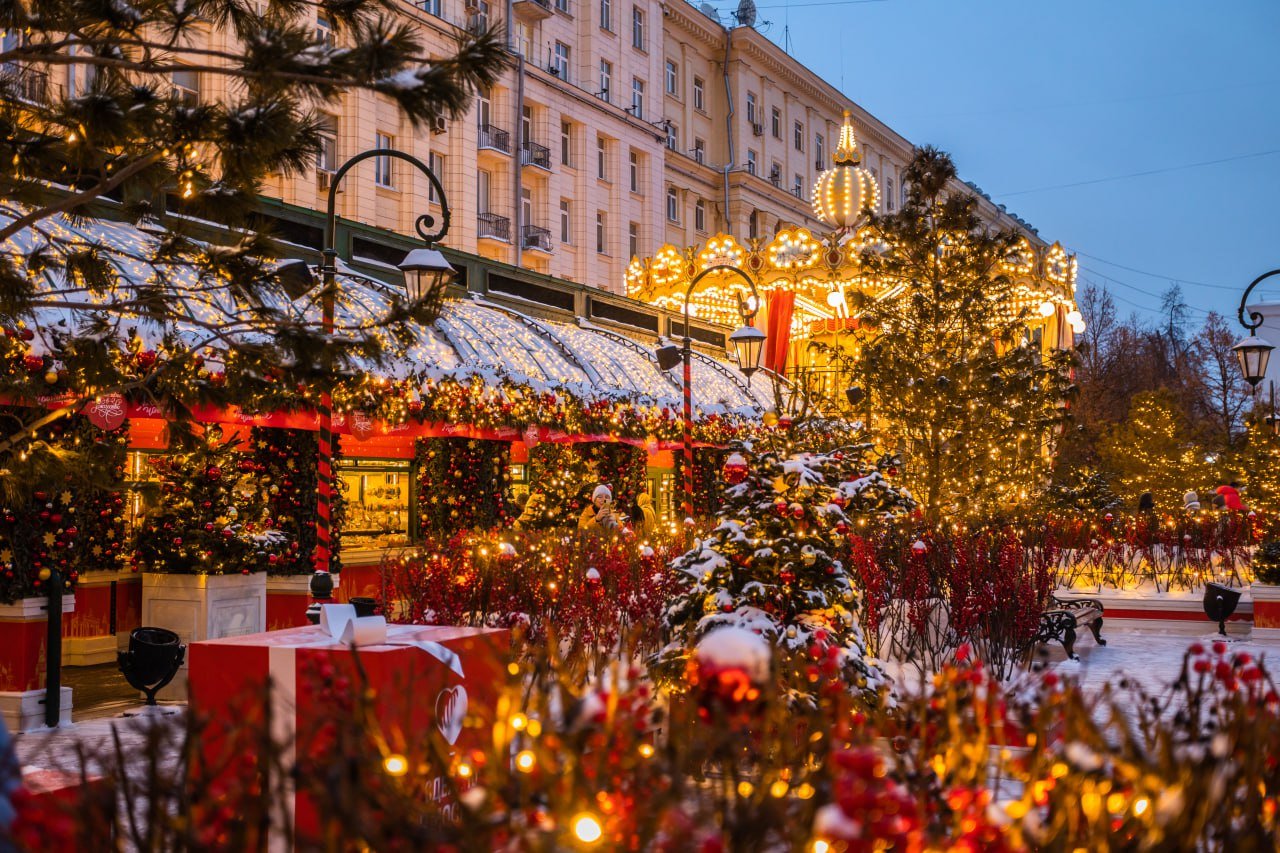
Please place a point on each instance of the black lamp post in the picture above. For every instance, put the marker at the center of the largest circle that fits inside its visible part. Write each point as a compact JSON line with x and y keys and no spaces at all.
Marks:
{"x":426,"y":271}
{"x":1253,"y":352}
{"x":747,"y":344}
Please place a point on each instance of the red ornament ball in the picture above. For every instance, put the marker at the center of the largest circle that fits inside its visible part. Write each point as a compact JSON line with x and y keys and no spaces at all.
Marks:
{"x":33,"y":363}
{"x":213,"y":472}
{"x":735,"y":469}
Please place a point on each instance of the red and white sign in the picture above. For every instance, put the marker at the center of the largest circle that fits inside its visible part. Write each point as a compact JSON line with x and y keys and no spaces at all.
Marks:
{"x":106,"y":412}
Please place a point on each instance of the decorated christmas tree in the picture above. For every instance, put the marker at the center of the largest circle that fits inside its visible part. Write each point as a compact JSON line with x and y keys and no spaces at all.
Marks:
{"x":463,"y":483}
{"x":284,"y":461}
{"x":212,"y":515}
{"x":768,"y":567}
{"x":1153,"y":451}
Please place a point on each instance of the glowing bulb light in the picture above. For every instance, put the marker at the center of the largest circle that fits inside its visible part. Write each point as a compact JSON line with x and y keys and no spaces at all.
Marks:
{"x":1046,"y":309}
{"x":395,"y":765}
{"x":587,"y":828}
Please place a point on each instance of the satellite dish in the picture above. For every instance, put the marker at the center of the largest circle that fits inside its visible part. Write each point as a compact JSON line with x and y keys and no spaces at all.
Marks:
{"x":746,"y":13}
{"x":710,"y":11}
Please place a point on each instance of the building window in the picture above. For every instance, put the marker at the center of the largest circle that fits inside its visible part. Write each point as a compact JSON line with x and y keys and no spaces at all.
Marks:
{"x":903,"y":192}
{"x":637,"y":97}
{"x":606,"y":15}
{"x":383,"y":174}
{"x":637,"y":28}
{"x":436,"y":163}
{"x":560,"y":61}
{"x":700,"y":216}
{"x":753,"y":225}
{"x":799,"y":136}
{"x":562,"y":6}
{"x":673,"y":137}
{"x":775,"y":173}
{"x":566,"y":221}
{"x":775,"y":122}
{"x":602,"y":158}
{"x":798,"y":187}
{"x":673,"y":78}
{"x":889,"y":199}
{"x":819,"y":152}
{"x":79,"y":77}
{"x":478,"y":16}
{"x":606,"y":80}
{"x":673,"y":204}
{"x":699,"y":93}
{"x":327,"y":155}
{"x":602,"y":245}
{"x":752,"y":168}
{"x":186,"y":86}
{"x":633,"y":171}
{"x":566,"y":143}
{"x":633,"y":239}
{"x":324,"y":31}
{"x":484,"y":186}
{"x":752,"y":116}
{"x":700,"y":150}
{"x":431,"y":7}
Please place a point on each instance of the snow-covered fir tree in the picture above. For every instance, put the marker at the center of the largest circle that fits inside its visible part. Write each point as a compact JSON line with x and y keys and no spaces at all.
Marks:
{"x":768,"y":567}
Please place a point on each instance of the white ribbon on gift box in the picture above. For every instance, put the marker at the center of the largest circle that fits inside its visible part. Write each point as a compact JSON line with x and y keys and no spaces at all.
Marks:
{"x":342,"y":627}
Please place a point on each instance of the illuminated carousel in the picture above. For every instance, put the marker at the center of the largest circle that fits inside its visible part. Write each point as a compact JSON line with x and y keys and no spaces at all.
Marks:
{"x":806,"y":278}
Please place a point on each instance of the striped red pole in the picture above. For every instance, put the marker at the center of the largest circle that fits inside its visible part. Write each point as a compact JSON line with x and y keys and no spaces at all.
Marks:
{"x":321,"y":584}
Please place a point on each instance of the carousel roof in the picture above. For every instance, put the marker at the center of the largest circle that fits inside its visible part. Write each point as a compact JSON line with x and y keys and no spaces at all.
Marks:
{"x":471,"y":337}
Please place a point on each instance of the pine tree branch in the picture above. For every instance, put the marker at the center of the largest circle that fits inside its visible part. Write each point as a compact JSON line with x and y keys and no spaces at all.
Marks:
{"x":82,"y":197}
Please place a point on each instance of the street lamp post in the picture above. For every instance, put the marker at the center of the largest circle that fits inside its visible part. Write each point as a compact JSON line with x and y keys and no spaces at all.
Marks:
{"x":1253,"y":352}
{"x":747,"y":343}
{"x":425,"y":272}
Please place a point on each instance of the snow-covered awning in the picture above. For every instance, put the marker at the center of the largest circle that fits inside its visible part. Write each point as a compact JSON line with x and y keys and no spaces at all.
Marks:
{"x":471,"y":338}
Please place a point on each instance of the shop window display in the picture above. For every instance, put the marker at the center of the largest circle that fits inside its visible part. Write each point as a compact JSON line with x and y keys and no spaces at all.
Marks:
{"x":376,"y":496}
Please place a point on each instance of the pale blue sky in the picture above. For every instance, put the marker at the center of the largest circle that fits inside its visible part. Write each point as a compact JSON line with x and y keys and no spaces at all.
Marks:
{"x":1031,"y":95}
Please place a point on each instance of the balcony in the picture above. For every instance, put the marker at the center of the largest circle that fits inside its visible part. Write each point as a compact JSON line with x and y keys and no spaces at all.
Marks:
{"x":534,"y":237}
{"x":494,"y":139}
{"x":533,"y":154}
{"x":531,"y":11}
{"x":27,"y":84}
{"x":493,"y":227}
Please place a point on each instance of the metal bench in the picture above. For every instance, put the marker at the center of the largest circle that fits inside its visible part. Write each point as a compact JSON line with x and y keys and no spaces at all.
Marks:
{"x":1065,"y":615}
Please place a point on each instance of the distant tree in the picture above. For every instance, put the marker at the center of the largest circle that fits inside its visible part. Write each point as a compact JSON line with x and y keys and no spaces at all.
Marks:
{"x":1223,"y":396}
{"x":1153,"y":450}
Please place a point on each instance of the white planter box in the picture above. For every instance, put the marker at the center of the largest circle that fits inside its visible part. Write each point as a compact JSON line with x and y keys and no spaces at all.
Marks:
{"x":23,"y":710}
{"x":1266,"y":601}
{"x":203,"y":607}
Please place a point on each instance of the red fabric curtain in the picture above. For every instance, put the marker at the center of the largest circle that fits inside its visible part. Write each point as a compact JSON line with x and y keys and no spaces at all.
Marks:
{"x":782,"y":304}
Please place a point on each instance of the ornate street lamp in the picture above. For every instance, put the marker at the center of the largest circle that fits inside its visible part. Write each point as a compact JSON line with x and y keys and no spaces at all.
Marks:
{"x":748,"y":346}
{"x":1253,"y":353}
{"x":426,"y":272}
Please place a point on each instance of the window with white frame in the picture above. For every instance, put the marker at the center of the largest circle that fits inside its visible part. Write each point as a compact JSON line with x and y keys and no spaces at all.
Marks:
{"x":431,"y":7}
{"x":775,"y":122}
{"x":903,"y":193}
{"x":637,"y":97}
{"x":799,"y":136}
{"x":700,"y":150}
{"x":797,"y":187}
{"x":637,"y":28}
{"x":606,"y":15}
{"x":819,"y":151}
{"x":566,"y":221}
{"x":562,"y":6}
{"x":602,"y":241}
{"x":673,"y":78}
{"x":566,"y":143}
{"x":699,"y":93}
{"x":752,"y":163}
{"x":606,"y":80}
{"x":673,"y":204}
{"x":633,"y":239}
{"x":752,"y":110}
{"x":80,"y":77}
{"x":560,"y":61}
{"x":673,"y":137}
{"x":602,"y":158}
{"x":436,"y":163}
{"x":890,"y":200}
{"x":700,"y":216}
{"x":383,"y":166}
{"x":186,"y":86}
{"x":327,"y":153}
{"x":324,"y":31}
{"x":633,"y":171}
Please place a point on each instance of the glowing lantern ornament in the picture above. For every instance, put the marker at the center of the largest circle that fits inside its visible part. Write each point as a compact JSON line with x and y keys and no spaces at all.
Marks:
{"x":845,"y":191}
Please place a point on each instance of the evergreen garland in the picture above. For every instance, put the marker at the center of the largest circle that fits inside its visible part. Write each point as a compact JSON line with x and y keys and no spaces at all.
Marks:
{"x":285,"y":460}
{"x":68,"y":517}
{"x":462,"y":484}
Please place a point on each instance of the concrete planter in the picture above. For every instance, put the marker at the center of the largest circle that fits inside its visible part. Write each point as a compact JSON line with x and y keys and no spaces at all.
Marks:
{"x":203,"y":607}
{"x":24,"y":638}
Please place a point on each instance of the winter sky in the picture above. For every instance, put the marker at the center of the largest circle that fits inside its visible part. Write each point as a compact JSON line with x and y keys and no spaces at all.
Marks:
{"x":1052,"y":108}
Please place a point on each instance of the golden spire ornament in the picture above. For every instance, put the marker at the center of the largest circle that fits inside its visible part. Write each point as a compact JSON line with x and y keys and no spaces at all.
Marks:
{"x":843,"y":193}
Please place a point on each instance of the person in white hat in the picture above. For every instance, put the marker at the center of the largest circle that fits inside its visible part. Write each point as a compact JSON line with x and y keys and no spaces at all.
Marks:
{"x":599,"y":515}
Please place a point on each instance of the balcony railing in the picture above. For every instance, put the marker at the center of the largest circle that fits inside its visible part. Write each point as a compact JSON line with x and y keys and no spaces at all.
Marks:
{"x":495,"y":138}
{"x":493,"y":226}
{"x":26,"y":84}
{"x":534,"y":237}
{"x":531,"y":10}
{"x":533,"y":154}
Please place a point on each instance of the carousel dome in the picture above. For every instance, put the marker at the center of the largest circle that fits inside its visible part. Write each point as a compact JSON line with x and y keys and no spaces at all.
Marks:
{"x":845,"y":191}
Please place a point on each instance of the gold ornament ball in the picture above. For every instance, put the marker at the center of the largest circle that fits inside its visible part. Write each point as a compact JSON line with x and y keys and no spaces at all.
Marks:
{"x":51,"y":377}
{"x":770,"y":419}
{"x":45,"y":574}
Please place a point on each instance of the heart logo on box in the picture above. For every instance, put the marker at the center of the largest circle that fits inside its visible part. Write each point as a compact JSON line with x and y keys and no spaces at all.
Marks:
{"x":451,"y":708}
